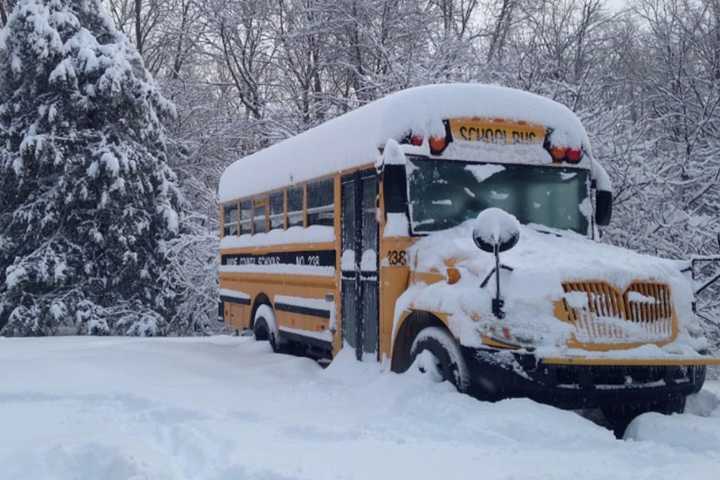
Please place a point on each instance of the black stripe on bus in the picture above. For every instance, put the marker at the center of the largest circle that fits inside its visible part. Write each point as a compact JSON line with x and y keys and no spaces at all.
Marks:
{"x":241,"y":301}
{"x":320,"y":258}
{"x":307,"y":340}
{"x":315,"y":312}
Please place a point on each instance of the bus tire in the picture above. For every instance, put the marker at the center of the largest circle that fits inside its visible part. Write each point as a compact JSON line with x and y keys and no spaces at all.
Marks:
{"x":260,"y":329}
{"x":619,"y":416}
{"x":436,"y":353}
{"x":265,"y":325}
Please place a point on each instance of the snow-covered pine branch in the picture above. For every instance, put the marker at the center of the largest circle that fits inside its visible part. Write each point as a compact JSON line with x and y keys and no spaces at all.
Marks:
{"x":87,"y":199}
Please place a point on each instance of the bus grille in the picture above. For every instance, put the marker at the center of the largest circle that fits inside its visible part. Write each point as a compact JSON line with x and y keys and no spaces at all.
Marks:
{"x":643,"y":313}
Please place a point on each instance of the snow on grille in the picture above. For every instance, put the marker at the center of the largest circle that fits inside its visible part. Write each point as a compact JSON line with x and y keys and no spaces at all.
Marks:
{"x":642,"y":313}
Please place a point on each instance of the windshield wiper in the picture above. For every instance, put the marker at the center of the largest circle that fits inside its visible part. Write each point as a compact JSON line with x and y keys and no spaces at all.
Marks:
{"x":539,"y":229}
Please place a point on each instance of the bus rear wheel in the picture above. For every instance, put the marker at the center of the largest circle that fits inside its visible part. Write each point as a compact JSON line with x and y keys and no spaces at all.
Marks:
{"x":260,"y":329}
{"x":265,"y":327}
{"x":436,"y":353}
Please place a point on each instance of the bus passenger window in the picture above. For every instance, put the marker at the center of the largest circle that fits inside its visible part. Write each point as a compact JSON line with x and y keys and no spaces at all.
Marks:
{"x":245,"y":217}
{"x":295,"y":207}
{"x":230,"y":219}
{"x":259,"y":212}
{"x":277,"y":211}
{"x":320,"y":202}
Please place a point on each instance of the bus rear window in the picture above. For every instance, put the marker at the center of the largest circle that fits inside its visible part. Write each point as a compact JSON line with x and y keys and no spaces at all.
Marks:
{"x":245,"y":217}
{"x":259,"y":212}
{"x":321,"y":202}
{"x":230,"y":219}
{"x":277,"y":210}
{"x":295,"y":207}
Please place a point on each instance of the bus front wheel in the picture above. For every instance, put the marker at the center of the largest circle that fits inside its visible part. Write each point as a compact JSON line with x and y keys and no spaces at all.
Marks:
{"x":620,"y":415}
{"x":436,"y":353}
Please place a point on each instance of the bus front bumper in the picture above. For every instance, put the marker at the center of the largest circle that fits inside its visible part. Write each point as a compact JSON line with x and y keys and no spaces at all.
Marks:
{"x":576,"y":382}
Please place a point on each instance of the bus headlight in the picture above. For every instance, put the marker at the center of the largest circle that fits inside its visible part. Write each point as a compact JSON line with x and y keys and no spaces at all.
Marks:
{"x":453,"y":275}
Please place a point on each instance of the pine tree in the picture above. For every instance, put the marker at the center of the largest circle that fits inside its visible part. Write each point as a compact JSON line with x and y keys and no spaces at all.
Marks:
{"x":87,"y":200}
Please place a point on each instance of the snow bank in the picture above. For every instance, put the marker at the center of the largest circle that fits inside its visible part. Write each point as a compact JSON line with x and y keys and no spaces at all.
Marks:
{"x":704,"y":403}
{"x":353,"y":139}
{"x":689,"y":432}
{"x":698,"y":430}
{"x":226,"y":408}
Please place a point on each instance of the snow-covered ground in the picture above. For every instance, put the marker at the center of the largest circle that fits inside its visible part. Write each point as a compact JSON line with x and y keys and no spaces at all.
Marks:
{"x":227,"y":408}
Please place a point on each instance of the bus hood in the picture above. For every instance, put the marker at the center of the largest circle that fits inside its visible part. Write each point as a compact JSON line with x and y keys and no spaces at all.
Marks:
{"x":541,"y":262}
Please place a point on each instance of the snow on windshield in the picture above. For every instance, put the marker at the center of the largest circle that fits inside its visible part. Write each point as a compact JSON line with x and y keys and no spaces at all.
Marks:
{"x":444,"y":193}
{"x":484,"y":171}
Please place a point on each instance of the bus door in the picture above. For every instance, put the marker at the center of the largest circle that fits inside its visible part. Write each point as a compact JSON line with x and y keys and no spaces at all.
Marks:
{"x":359,"y":263}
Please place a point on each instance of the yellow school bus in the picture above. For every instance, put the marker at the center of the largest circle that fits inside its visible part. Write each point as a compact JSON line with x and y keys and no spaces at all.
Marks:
{"x":452,"y":229}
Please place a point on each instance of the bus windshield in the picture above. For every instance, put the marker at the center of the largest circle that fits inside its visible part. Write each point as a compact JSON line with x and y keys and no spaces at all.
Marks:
{"x":444,"y":193}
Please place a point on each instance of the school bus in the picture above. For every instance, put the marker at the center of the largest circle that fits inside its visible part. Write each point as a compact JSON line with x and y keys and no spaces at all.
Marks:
{"x":366,"y":233}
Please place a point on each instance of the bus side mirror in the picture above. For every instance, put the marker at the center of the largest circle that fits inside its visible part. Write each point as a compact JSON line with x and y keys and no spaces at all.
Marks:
{"x":603,"y":207}
{"x":497,"y":231}
{"x":395,"y":189}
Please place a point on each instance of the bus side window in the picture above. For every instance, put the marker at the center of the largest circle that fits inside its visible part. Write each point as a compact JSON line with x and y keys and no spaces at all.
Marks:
{"x":277,"y":211}
{"x":230,"y":219}
{"x":295,"y":206}
{"x":259,"y":213}
{"x":320,"y":202}
{"x":245,"y":217}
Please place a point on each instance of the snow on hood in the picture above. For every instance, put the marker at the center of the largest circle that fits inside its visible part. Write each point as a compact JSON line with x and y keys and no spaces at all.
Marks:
{"x":540,"y":262}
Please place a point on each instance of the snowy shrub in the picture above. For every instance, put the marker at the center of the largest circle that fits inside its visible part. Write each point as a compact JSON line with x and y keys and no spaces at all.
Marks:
{"x":27,"y":321}
{"x":140,"y":321}
{"x":87,"y":199}
{"x":90,"y":319}
{"x":193,"y":273}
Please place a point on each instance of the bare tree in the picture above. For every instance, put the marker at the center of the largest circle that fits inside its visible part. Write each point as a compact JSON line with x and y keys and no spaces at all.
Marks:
{"x":6,"y":7}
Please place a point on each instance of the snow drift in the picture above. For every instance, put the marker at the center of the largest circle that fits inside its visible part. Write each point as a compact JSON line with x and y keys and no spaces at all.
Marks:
{"x":226,"y":408}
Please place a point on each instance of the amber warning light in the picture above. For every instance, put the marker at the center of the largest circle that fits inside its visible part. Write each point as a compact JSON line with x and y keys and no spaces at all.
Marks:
{"x":436,"y":144}
{"x":564,"y":154}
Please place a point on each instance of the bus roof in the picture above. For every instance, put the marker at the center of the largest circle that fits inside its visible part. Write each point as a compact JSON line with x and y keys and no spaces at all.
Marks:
{"x":353,"y":139}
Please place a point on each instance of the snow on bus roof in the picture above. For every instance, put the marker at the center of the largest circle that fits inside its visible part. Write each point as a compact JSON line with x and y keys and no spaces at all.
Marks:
{"x":353,"y":139}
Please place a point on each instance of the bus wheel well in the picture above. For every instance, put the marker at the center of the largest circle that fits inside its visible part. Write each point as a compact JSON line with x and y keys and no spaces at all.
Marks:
{"x":260,"y":299}
{"x":412,"y":325}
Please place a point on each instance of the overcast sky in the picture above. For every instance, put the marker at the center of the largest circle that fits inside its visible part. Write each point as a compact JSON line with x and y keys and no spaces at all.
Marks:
{"x":616,"y":4}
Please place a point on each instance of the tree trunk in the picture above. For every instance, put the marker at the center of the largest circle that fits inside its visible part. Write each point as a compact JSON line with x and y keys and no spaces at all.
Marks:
{"x":138,"y":27}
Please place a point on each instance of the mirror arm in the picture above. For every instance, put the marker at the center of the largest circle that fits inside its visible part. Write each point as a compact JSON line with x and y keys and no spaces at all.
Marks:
{"x":715,"y":277}
{"x":497,"y":303}
{"x":707,"y":284}
{"x":490,"y":274}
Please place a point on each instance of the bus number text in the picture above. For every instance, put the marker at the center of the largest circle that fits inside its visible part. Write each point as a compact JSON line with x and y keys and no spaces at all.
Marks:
{"x":310,"y":260}
{"x":397,"y":257}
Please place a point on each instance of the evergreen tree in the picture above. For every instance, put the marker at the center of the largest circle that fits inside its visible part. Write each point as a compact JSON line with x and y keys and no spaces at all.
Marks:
{"x":87,"y":200}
